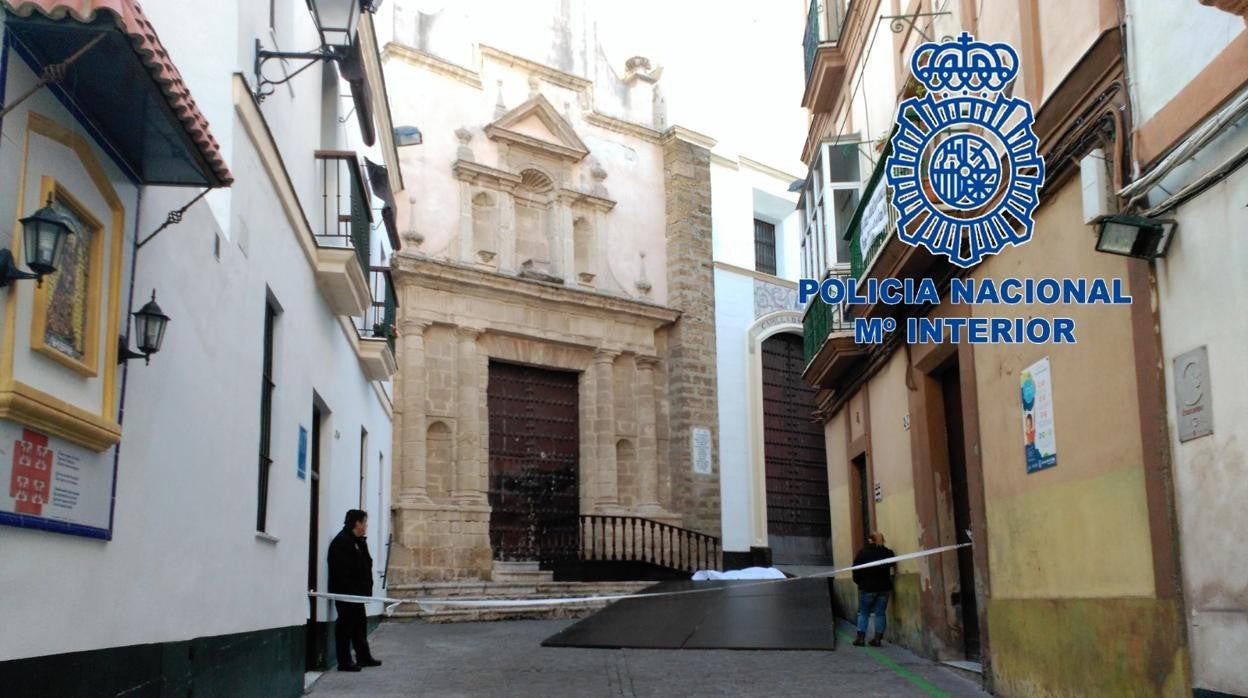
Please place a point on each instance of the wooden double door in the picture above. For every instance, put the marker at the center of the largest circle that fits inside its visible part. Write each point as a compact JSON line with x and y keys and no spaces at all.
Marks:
{"x":534,"y":453}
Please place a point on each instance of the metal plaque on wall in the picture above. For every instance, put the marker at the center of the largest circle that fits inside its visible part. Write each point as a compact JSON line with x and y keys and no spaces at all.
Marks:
{"x":1194,"y":400}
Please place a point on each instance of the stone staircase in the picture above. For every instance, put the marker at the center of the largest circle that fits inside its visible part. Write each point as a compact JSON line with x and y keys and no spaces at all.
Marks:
{"x":511,"y":581}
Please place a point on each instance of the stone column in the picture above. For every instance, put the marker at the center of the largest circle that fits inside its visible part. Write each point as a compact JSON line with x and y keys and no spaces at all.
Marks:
{"x":647,"y":448}
{"x":604,"y":427}
{"x":562,"y":253}
{"x":468,"y":439}
{"x":465,"y":222}
{"x":412,"y":487}
{"x":507,"y":232}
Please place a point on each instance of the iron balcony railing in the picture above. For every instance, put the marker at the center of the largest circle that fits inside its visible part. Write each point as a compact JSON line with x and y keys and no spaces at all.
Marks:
{"x":822,"y":320}
{"x":378,"y":321}
{"x":346,"y":215}
{"x":824,"y":21}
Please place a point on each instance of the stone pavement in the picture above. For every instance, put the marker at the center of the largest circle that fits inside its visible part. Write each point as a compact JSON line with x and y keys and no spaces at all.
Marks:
{"x":507,"y":659}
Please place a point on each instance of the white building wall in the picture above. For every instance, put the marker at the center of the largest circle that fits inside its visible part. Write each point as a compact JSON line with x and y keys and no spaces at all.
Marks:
{"x":740,"y":193}
{"x":1201,"y":276}
{"x":1211,"y":472}
{"x":185,"y":559}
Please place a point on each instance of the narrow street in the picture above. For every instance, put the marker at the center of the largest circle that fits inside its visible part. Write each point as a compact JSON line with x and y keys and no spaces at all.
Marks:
{"x":507,"y":659}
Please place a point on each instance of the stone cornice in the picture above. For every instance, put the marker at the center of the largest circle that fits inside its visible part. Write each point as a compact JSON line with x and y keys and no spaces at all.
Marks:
{"x":476,"y":173}
{"x":460,"y":279}
{"x":553,"y":75}
{"x":572,"y":196}
{"x":689,"y":136}
{"x":627,"y":128}
{"x":441,"y":66}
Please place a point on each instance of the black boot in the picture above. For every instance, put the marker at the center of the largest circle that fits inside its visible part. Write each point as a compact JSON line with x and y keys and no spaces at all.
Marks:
{"x":370,"y":662}
{"x":348,"y":667}
{"x":860,"y":640}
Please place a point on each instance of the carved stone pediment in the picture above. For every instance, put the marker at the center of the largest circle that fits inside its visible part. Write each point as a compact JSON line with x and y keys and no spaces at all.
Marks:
{"x":537,"y":126}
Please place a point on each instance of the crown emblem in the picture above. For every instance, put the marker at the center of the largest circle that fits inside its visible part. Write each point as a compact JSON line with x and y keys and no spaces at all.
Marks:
{"x":964,"y":64}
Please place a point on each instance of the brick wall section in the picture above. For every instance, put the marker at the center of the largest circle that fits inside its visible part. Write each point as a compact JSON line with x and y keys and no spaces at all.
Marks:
{"x":691,"y":354}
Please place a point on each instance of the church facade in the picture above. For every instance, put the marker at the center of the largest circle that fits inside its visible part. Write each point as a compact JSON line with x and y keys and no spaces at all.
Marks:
{"x":556,"y":338}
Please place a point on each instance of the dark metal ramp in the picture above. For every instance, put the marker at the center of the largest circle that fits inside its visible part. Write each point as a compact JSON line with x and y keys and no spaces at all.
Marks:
{"x":793,"y":614}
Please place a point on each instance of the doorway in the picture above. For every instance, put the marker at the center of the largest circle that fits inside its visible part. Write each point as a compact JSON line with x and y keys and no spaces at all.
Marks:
{"x":534,"y":450}
{"x":316,"y":631}
{"x":963,"y":599}
{"x":860,"y":490}
{"x":799,"y":524}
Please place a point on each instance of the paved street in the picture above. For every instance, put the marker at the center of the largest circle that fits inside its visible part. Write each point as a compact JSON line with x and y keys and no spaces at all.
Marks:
{"x":507,"y":659}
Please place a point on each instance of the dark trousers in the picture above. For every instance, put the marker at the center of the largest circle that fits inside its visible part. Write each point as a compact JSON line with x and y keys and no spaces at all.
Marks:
{"x":351,"y":630}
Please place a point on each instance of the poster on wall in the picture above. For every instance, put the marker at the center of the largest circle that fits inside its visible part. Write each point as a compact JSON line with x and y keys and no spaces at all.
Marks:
{"x":1039,"y":440}
{"x":54,"y":485}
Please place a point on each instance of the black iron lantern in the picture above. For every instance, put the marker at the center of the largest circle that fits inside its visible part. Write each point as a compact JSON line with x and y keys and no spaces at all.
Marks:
{"x":44,"y":233}
{"x":149,"y":330}
{"x":1134,"y":236}
{"x":337,"y":21}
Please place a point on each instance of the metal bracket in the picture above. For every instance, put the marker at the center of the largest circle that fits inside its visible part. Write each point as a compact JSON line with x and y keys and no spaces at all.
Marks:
{"x":262,"y":55}
{"x":898,"y":23}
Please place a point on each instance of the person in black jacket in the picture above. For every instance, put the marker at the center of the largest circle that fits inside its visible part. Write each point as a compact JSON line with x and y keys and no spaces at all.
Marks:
{"x":874,"y":586}
{"x":351,"y":572}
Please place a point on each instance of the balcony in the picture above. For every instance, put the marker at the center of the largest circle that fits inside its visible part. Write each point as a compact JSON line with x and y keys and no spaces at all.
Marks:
{"x":343,"y":232}
{"x":828,"y":333}
{"x":824,"y":53}
{"x":376,"y":328}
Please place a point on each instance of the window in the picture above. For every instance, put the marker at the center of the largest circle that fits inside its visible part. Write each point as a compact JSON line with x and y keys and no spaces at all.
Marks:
{"x":826,"y":217}
{"x":266,"y":415}
{"x":764,"y":247}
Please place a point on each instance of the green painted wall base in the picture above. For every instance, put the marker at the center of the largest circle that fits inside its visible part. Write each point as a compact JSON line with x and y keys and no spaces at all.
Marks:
{"x":1092,"y":647}
{"x":259,"y":663}
{"x":905,"y":620}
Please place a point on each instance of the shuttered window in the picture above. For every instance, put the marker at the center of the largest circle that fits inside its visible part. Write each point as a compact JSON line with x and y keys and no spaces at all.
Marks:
{"x":764,"y":247}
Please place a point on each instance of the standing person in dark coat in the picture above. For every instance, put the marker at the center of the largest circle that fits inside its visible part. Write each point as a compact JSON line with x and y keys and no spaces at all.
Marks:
{"x":874,"y":586}
{"x":351,"y":572}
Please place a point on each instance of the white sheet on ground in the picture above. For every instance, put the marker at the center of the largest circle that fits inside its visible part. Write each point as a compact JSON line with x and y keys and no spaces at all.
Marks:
{"x":747,"y":573}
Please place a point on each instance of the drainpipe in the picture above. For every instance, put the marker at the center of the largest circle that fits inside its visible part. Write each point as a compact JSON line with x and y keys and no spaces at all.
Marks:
{"x":125,"y":366}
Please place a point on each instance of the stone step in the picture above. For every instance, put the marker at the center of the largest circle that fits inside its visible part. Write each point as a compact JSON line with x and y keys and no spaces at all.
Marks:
{"x":511,"y":590}
{"x":502,"y":591}
{"x":524,"y":572}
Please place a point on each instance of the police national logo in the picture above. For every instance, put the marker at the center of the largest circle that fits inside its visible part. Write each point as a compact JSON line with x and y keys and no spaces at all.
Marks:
{"x":964,"y":169}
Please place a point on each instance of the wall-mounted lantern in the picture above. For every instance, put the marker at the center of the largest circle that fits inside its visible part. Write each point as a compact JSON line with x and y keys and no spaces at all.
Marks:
{"x":149,"y":330}
{"x":44,"y":233}
{"x":336,"y":22}
{"x":1134,"y":236}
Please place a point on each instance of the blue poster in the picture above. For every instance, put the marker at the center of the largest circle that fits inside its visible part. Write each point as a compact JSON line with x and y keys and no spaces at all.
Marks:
{"x":302,"y":466}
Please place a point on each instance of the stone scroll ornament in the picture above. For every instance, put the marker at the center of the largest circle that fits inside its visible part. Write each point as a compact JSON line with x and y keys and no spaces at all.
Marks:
{"x":964,"y":170}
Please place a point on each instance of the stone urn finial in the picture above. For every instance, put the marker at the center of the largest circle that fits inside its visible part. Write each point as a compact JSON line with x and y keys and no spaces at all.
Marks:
{"x":464,"y":152}
{"x":499,"y":107}
{"x":411,"y":235}
{"x":599,"y":176}
{"x":642,"y":284}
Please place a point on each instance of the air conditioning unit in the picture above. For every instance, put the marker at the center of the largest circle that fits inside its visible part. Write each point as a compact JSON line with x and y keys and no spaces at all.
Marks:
{"x":1094,"y":181}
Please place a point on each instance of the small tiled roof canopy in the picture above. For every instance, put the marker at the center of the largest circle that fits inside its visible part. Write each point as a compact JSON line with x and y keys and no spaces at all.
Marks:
{"x":130,"y":20}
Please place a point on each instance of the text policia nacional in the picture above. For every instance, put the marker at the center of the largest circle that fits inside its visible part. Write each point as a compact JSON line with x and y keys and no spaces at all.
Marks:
{"x":836,"y":291}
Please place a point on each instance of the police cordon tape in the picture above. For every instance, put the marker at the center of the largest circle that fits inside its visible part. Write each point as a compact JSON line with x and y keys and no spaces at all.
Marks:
{"x":427,"y":604}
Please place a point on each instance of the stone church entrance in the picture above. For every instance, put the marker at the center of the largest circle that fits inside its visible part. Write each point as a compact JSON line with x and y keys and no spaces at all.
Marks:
{"x":533,"y":449}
